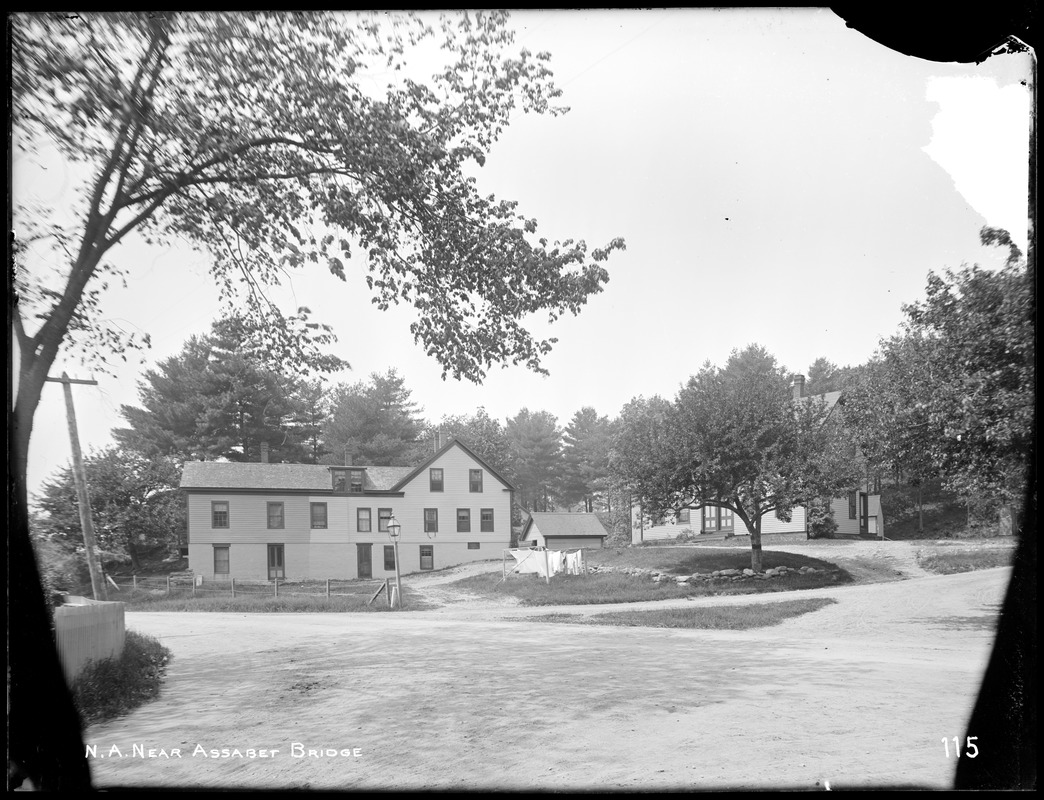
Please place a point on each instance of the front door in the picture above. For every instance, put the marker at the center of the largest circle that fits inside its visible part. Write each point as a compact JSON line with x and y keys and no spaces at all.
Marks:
{"x":863,"y":513}
{"x":275,"y":562}
{"x":365,"y":563}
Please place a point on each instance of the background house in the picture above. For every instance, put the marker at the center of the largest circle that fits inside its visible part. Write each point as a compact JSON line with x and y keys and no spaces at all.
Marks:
{"x":295,"y":521}
{"x":563,"y":531}
{"x":857,"y":513}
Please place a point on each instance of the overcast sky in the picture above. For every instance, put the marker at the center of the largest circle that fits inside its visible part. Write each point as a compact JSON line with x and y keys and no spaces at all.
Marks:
{"x":778,"y":178}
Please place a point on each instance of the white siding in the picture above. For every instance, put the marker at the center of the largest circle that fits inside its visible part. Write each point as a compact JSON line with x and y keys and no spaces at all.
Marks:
{"x":331,"y":552}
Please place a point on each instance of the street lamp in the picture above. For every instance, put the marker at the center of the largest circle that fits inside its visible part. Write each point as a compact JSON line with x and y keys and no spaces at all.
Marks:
{"x":394,"y":529}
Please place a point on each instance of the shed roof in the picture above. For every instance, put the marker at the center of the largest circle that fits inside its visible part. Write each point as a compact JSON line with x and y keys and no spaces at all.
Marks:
{"x":558,"y":524}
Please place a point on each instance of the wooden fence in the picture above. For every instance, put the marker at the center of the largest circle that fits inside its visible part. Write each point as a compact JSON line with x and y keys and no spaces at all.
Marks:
{"x":87,"y":630}
{"x":185,"y":586}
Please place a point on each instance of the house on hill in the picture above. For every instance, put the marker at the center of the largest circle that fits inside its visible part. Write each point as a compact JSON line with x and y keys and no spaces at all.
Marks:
{"x":563,"y":531}
{"x":296,"y":521}
{"x":857,"y":513}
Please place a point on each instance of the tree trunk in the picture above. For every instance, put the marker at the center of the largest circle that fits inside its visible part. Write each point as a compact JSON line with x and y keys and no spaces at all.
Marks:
{"x":755,"y":545}
{"x":920,"y":512}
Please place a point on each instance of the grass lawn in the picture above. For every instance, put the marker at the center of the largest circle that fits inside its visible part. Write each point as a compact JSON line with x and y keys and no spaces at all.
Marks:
{"x":286,"y":602}
{"x":620,"y":587}
{"x":723,"y":618}
{"x":947,"y":561}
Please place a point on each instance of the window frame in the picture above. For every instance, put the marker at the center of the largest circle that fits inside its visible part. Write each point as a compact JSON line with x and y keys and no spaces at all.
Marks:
{"x":228,"y":558}
{"x":339,"y":481}
{"x":482,"y":521}
{"x":433,"y":521}
{"x":228,"y":515}
{"x":436,"y":485}
{"x":853,"y":500}
{"x":389,"y":552}
{"x":352,"y":475}
{"x":359,"y":519}
{"x":471,"y":480}
{"x":684,"y":516}
{"x":464,"y":523}
{"x":282,"y":515}
{"x":382,"y":521}
{"x":311,"y":516}
{"x":474,"y":545}
{"x":430,"y":555}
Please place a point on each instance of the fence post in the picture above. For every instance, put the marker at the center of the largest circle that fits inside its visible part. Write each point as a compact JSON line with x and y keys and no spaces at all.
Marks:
{"x":168,"y":585}
{"x":193,"y":585}
{"x":275,"y":583}
{"x":233,"y":587}
{"x":327,"y":588}
{"x":135,"y":579}
{"x":387,"y":590}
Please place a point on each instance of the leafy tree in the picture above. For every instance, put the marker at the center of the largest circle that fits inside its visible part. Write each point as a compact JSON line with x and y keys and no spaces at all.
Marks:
{"x":735,"y":438}
{"x":643,"y":453}
{"x":969,"y":346}
{"x":535,"y":446}
{"x":375,"y":422}
{"x":218,"y":399}
{"x":826,"y":376}
{"x":265,"y":140}
{"x":135,"y":504}
{"x":585,"y":462}
{"x":482,"y":434}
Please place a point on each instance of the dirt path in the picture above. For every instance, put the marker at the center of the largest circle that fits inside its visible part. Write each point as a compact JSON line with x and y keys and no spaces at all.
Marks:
{"x":859,"y":694}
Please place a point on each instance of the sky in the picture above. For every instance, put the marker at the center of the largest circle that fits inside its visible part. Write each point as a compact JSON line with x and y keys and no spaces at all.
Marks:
{"x":779,"y":179}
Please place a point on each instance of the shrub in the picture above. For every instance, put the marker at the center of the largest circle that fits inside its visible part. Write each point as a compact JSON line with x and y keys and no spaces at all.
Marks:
{"x":820,"y":520}
{"x":115,"y":686}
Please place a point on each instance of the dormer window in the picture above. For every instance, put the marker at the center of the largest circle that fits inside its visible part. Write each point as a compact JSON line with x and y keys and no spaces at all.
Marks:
{"x":355,"y":481}
{"x":348,"y":481}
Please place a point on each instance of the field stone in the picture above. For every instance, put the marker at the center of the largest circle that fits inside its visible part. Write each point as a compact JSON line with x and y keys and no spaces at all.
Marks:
{"x":748,"y":572}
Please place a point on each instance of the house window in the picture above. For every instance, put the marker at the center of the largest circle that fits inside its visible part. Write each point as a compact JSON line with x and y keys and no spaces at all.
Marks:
{"x":427,"y":556}
{"x":475,"y":480}
{"x":431,"y":520}
{"x":852,"y":500}
{"x":435,"y":477}
{"x":275,"y":515}
{"x":221,"y":559}
{"x":362,"y":520}
{"x":717,"y":519}
{"x":486,"y":520}
{"x":389,"y":557}
{"x":340,"y":480}
{"x":463,"y":520}
{"x":683,"y":517}
{"x":318,"y":515}
{"x":473,"y":545}
{"x":219,"y":514}
{"x":355,"y":481}
{"x":384,"y":516}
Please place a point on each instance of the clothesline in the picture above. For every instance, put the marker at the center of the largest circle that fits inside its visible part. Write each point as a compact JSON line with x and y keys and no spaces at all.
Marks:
{"x":544,"y":562}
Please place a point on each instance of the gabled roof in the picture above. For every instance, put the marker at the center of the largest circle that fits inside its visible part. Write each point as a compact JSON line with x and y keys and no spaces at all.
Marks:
{"x":308,"y":477}
{"x":291,"y":477}
{"x":830,"y":398}
{"x":451,"y":443}
{"x":558,"y":524}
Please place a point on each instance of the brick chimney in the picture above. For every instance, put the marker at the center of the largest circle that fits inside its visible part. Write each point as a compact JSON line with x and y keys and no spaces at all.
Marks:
{"x":264,"y":452}
{"x":799,"y":386}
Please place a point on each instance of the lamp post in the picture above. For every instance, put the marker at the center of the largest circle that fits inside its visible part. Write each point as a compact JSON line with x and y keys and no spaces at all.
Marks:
{"x":394,"y":529}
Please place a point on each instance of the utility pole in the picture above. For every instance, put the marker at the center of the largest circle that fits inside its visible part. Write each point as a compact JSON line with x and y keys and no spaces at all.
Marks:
{"x":82,"y":497}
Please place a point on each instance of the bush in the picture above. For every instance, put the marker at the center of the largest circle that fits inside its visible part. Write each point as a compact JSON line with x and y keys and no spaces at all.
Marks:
{"x":115,"y":686}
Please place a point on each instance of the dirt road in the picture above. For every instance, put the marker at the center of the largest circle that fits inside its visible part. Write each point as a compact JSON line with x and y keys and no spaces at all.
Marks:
{"x":860,"y":693}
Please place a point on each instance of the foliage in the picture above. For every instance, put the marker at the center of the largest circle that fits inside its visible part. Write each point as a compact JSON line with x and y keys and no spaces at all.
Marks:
{"x":483,"y":434}
{"x":223,"y":396}
{"x":949,"y":562}
{"x":535,"y":446}
{"x":819,"y":519}
{"x":113,"y":687}
{"x":585,"y":460}
{"x":952,"y":394}
{"x":135,"y":506}
{"x":734,"y":438}
{"x":375,"y":422}
{"x":826,"y":376}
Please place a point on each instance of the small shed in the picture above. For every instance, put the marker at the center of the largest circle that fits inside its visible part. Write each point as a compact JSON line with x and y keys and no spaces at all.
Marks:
{"x":558,"y":531}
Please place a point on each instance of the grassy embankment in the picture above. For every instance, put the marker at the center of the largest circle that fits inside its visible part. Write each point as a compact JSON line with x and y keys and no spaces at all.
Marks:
{"x":115,"y":686}
{"x":730,"y":618}
{"x":622,"y":587}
